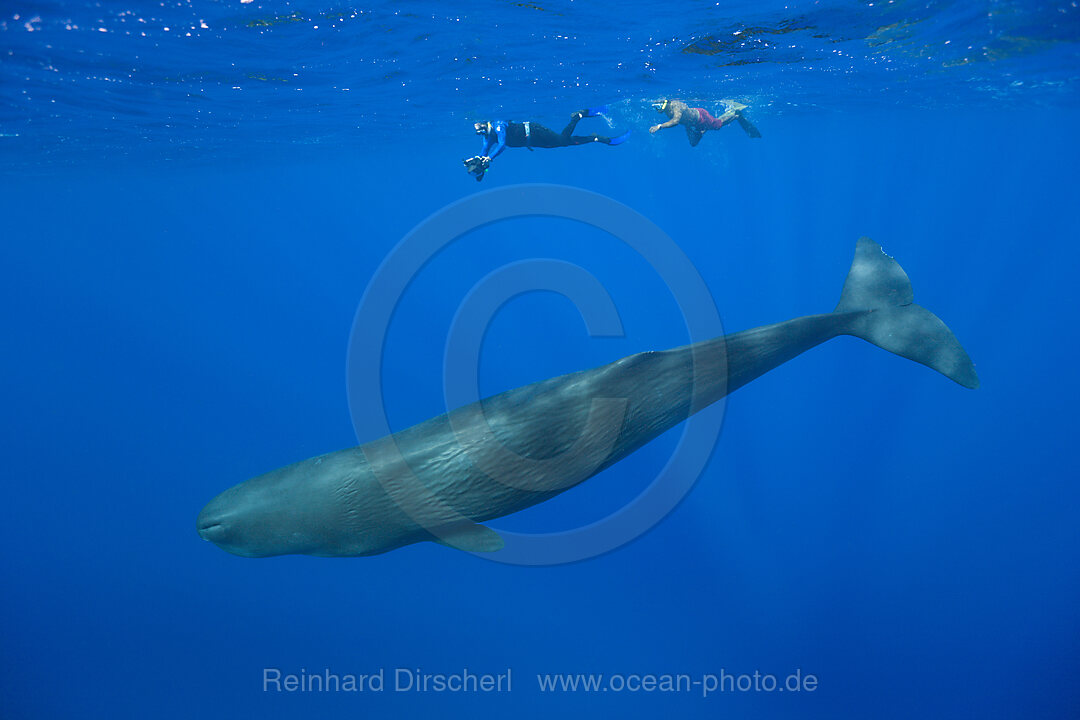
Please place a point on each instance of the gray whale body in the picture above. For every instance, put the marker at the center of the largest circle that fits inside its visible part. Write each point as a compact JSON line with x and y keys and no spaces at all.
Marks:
{"x":437,"y":481}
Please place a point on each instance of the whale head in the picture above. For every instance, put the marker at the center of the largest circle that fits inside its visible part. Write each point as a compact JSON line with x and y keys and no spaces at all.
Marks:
{"x":314,"y":507}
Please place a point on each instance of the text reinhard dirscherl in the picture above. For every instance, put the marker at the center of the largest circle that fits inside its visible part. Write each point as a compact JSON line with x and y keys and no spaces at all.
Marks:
{"x":467,"y":681}
{"x":397,"y":680}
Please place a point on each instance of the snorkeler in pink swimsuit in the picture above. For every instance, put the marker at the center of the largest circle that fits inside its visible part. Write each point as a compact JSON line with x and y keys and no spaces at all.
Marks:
{"x":698,"y":120}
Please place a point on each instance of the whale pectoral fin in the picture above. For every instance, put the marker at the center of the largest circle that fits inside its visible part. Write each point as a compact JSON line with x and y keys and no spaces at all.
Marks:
{"x":469,"y":536}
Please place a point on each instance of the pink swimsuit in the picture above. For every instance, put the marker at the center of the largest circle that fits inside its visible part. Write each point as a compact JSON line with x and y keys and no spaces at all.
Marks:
{"x":706,"y":121}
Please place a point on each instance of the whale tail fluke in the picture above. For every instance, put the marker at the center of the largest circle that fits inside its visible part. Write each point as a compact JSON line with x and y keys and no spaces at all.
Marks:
{"x":878,"y":290}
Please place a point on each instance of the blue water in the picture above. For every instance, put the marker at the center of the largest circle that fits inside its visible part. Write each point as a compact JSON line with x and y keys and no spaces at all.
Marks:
{"x":196,"y":195}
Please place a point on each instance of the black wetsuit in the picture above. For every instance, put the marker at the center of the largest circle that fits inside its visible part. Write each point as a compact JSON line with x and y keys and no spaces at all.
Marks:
{"x":542,"y":137}
{"x":534,"y":135}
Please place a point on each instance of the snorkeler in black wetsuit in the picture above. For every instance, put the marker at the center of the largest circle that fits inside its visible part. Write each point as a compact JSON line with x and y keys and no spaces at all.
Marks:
{"x":498,"y":135}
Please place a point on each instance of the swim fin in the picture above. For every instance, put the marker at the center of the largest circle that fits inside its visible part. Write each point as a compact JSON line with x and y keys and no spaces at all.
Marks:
{"x":747,"y":126}
{"x":618,"y":140}
{"x":694,"y":135}
{"x":594,"y":112}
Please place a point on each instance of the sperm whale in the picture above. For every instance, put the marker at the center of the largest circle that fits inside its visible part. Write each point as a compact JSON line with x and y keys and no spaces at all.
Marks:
{"x":439,"y":480}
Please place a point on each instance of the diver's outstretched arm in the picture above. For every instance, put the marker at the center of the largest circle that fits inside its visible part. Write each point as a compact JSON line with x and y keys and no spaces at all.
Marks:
{"x":498,"y":146}
{"x":676,"y":115}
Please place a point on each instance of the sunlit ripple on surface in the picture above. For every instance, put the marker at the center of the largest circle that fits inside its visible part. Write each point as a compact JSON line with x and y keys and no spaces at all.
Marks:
{"x":109,"y":77}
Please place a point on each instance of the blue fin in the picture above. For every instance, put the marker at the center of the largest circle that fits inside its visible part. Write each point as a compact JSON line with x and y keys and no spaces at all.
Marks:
{"x":593,"y":112}
{"x":620,"y":139}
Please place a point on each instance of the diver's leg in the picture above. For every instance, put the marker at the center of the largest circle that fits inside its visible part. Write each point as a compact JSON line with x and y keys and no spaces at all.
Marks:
{"x":568,"y":131}
{"x":542,"y":137}
{"x":586,"y":139}
{"x":693,"y":134}
{"x":733,"y":105}
{"x":725,"y":119}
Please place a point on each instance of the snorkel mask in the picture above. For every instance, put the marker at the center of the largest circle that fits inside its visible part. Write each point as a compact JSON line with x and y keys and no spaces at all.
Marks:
{"x":482,"y":128}
{"x":661,"y":106}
